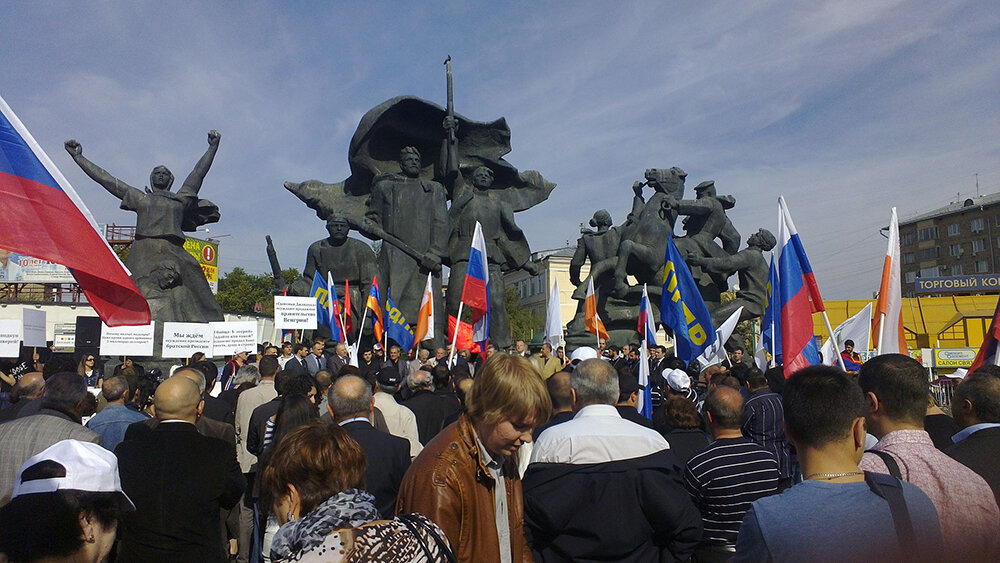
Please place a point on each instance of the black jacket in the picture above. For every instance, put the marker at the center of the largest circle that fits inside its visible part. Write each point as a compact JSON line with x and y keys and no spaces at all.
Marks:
{"x":430,"y":411}
{"x":628,"y":510}
{"x":178,"y":480}
{"x":388,"y":459}
{"x":980,"y":452}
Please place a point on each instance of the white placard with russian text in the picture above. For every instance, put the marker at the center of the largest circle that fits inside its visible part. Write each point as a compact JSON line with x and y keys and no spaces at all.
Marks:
{"x":34,"y":328}
{"x":294,"y":312}
{"x":10,"y":338}
{"x":232,"y":338}
{"x":181,"y":340}
{"x":127,"y":340}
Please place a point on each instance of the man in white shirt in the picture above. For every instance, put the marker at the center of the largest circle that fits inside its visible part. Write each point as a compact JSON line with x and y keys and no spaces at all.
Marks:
{"x":400,"y":420}
{"x":638,"y":478}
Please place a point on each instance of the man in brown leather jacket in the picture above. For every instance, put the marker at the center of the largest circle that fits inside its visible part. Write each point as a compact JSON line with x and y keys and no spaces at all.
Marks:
{"x":466,"y":478}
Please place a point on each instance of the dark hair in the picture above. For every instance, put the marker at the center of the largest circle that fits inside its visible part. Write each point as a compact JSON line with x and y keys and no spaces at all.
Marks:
{"x":319,"y":459}
{"x":114,"y":388}
{"x":197,"y":357}
{"x":900,"y":383}
{"x":64,"y":392}
{"x":820,"y":403}
{"x":147,"y":387}
{"x":725,"y":380}
{"x":299,"y":383}
{"x":988,"y":369}
{"x":348,"y":369}
{"x":982,"y":389}
{"x":210,"y":371}
{"x":849,"y":342}
{"x":281,"y":378}
{"x":298,"y":347}
{"x":756,"y":379}
{"x":442,"y":376}
{"x":268,"y":366}
{"x":294,"y":411}
{"x":775,"y":378}
{"x":679,"y":412}
{"x":42,"y":525}
{"x":458,"y":372}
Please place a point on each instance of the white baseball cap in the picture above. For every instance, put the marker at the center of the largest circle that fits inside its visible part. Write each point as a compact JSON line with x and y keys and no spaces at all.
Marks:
{"x":583,"y":353}
{"x":678,"y":380}
{"x":88,"y":467}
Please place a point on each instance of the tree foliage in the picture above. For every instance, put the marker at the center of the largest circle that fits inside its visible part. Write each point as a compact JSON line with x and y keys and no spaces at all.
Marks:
{"x":524,"y":322}
{"x":239,"y":291}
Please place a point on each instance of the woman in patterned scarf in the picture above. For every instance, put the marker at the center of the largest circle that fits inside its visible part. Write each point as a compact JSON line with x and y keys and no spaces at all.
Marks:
{"x":314,"y":482}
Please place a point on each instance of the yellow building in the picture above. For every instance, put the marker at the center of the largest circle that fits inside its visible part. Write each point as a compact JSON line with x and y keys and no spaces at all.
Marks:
{"x":948,"y":328}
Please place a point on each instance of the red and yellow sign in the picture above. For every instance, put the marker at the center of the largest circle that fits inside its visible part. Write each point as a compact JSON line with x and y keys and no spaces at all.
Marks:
{"x":207,"y":255}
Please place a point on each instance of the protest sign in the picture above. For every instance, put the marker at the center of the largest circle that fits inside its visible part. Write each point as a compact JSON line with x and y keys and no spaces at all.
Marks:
{"x":10,"y":338}
{"x":34,"y":327}
{"x":231,"y":338}
{"x":181,"y":340}
{"x":295,"y":312}
{"x":127,"y":340}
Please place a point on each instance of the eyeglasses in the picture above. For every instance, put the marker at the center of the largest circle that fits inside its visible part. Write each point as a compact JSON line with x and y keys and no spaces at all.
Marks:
{"x":90,"y":359}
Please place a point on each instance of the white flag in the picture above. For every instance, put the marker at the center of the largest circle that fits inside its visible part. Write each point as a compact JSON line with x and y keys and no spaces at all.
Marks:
{"x":857,"y":328}
{"x":553,"y":318}
{"x":716,"y":353}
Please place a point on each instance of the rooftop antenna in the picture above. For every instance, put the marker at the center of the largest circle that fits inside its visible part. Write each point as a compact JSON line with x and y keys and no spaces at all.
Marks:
{"x":977,"y":183}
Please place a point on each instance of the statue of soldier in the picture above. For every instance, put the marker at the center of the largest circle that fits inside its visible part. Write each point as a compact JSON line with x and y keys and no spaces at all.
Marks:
{"x":506,"y":247}
{"x":752,"y":269}
{"x":157,"y":259}
{"x":644,"y":234}
{"x":346,"y":259}
{"x":410,"y":214}
{"x":706,"y":220}
{"x":601,"y":248}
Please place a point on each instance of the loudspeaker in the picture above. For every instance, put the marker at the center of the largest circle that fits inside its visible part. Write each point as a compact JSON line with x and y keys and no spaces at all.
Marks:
{"x":88,"y":332}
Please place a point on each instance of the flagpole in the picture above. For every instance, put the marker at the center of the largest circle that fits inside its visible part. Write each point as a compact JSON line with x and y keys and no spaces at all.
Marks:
{"x":454,"y":337}
{"x":833,"y":338}
{"x":362,"y":329}
{"x":881,"y":333}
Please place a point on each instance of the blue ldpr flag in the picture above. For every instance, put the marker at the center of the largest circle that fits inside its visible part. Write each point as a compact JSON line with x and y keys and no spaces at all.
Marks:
{"x":396,"y":327}
{"x":683,"y":309}
{"x":322,"y":294}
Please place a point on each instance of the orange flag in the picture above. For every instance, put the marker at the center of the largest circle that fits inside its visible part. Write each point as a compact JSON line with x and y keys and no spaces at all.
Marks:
{"x":425,"y":318}
{"x":592,"y":319}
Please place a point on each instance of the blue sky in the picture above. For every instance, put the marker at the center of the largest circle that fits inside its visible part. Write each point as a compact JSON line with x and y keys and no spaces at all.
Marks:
{"x":845,"y":108}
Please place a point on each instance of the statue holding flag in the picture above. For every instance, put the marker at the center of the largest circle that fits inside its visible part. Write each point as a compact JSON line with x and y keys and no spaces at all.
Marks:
{"x":165,"y":272}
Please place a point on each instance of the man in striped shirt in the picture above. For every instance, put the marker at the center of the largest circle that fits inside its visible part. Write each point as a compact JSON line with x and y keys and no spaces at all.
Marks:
{"x":727,"y":476}
{"x":764,"y":423}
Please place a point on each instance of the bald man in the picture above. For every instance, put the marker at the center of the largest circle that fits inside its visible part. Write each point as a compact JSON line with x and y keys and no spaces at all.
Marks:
{"x":27,"y":397}
{"x":350,"y":403}
{"x":728,"y":475}
{"x":205,"y":426}
{"x":179,"y":480}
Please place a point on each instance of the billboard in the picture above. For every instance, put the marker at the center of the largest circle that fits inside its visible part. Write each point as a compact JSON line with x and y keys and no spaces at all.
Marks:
{"x":21,"y":268}
{"x":989,"y":283}
{"x":954,"y":357}
{"x":207,"y":254}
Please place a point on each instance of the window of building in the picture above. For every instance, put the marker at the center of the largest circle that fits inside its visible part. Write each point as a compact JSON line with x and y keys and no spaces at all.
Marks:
{"x":928,"y":253}
{"x":982,"y":267}
{"x":978,"y":246}
{"x":997,"y":221}
{"x":927,"y":233}
{"x":930,"y":272}
{"x":954,"y":332}
{"x":976,"y":225}
{"x":954,"y":230}
{"x":909,"y":258}
{"x":956,"y":270}
{"x":910,"y":277}
{"x":907,"y":238}
{"x":955,"y":250}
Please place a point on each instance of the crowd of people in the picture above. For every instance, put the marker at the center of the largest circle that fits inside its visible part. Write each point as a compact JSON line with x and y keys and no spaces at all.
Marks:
{"x":298,"y":452}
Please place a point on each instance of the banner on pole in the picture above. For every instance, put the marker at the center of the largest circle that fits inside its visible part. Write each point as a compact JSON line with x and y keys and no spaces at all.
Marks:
{"x":295,"y":312}
{"x":127,"y":340}
{"x":34,"y":328}
{"x":232,"y":338}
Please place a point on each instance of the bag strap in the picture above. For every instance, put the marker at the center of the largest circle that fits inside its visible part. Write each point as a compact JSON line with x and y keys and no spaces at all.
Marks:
{"x":889,"y":461}
{"x":414,"y":524}
{"x":891,"y":489}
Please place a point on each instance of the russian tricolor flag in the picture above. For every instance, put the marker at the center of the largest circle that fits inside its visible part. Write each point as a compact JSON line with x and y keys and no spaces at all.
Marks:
{"x":798,"y":296}
{"x":45,"y":218}
{"x":648,"y":331}
{"x":476,"y":291}
{"x":988,"y":351}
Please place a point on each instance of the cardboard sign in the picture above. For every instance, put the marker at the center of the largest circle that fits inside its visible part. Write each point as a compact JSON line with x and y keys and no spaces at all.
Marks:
{"x":34,"y":328}
{"x":181,"y":340}
{"x":10,"y":338}
{"x":231,"y":338}
{"x":127,"y":340}
{"x":294,"y":312}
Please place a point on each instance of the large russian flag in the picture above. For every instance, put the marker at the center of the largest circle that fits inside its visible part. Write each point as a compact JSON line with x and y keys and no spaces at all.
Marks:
{"x":45,"y":218}
{"x":798,"y":296}
{"x":988,"y":351}
{"x":476,"y":291}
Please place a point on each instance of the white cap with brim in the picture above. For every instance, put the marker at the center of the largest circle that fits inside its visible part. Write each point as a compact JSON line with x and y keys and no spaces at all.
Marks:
{"x":678,"y":380}
{"x":582,"y":353}
{"x":89,"y":468}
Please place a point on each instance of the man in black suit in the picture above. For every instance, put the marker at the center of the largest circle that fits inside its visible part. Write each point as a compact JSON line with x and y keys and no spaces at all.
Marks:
{"x":178,"y":480}
{"x":297,"y":364}
{"x":215,"y":408}
{"x":429,"y":409}
{"x":350,"y":405}
{"x":976,"y":406}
